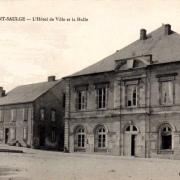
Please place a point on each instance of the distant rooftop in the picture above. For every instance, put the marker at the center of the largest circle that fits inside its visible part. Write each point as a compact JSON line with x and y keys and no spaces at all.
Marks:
{"x":28,"y":93}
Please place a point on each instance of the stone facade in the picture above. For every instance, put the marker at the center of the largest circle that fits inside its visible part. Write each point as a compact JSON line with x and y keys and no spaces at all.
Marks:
{"x":132,"y":110}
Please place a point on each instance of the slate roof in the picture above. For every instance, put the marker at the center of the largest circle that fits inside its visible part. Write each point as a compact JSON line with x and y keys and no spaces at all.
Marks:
{"x":26,"y":93}
{"x":163,"y":48}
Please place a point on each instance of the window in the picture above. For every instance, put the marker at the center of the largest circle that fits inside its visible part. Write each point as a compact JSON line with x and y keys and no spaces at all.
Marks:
{"x":24,"y":114}
{"x":13,"y":117}
{"x":53,"y":115}
{"x":166,"y":88}
{"x":80,"y":137}
{"x":12,"y":133}
{"x":167,"y":92}
{"x":82,"y":95}
{"x":101,"y":97}
{"x":131,"y":128}
{"x":25,"y":133}
{"x":165,"y":138}
{"x":53,"y":135}
{"x":131,"y":92}
{"x":42,"y":114}
{"x":100,"y":137}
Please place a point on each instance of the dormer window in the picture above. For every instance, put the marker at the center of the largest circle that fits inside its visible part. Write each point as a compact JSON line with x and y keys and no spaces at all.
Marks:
{"x":133,"y":62}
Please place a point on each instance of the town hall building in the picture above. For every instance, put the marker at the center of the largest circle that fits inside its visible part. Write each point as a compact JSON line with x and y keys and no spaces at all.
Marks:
{"x":128,"y":103}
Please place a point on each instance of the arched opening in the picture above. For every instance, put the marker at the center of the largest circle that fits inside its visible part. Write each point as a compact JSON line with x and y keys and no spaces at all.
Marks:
{"x":80,"y":135}
{"x":165,"y":137}
{"x":100,"y":138}
{"x":130,"y":140}
{"x":131,"y":128}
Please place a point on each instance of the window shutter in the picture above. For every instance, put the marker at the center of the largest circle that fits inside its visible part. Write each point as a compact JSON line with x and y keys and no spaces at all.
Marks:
{"x":106,"y":97}
{"x":97,"y":101}
{"x":76,"y":100}
{"x":124,"y":95}
{"x":85,"y":99}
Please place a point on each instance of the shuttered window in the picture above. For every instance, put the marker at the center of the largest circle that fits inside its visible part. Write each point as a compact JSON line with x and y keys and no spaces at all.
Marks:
{"x":167,"y":92}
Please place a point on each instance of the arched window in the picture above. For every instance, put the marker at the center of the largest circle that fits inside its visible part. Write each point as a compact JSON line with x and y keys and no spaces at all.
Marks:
{"x":100,"y":137}
{"x":80,"y":138}
{"x":165,"y":137}
{"x":131,"y":128}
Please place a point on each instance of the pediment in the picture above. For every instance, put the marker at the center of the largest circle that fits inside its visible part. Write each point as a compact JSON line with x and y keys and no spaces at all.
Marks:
{"x":133,"y":62}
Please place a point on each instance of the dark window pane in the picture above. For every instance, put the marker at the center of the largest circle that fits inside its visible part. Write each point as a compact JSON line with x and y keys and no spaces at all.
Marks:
{"x":128,"y":128}
{"x":134,"y":128}
{"x":166,"y":142}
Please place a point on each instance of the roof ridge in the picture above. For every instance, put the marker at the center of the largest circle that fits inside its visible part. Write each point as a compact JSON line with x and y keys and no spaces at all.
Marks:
{"x":163,"y":47}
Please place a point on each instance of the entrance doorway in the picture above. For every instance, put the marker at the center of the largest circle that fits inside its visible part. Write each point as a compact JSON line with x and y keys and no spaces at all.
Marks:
{"x":42,"y":136}
{"x":6,"y":135}
{"x":130,"y":140}
{"x":133,"y":145}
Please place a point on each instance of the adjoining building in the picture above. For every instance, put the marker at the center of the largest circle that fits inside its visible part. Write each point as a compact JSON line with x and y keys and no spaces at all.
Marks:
{"x":33,"y":115}
{"x":128,"y":103}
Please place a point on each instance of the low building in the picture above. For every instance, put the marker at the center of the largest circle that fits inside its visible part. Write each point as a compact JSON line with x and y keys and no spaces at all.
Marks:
{"x":128,"y":103}
{"x":33,"y":115}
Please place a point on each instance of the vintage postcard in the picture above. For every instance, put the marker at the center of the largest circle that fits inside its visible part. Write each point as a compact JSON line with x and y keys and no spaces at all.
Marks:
{"x":89,"y":90}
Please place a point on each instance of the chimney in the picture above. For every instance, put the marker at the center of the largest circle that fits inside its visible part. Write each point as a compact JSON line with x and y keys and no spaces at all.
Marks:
{"x":2,"y":92}
{"x":51,"y":78}
{"x":143,"y":35}
{"x":167,"y":29}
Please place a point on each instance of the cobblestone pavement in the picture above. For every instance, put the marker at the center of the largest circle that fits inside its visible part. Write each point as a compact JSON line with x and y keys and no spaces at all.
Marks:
{"x":48,"y":165}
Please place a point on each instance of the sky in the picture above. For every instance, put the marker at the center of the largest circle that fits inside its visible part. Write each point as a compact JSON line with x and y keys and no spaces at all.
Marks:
{"x":31,"y":51}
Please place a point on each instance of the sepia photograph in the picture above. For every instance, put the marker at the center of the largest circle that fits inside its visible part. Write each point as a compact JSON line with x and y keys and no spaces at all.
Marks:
{"x":89,"y":90}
